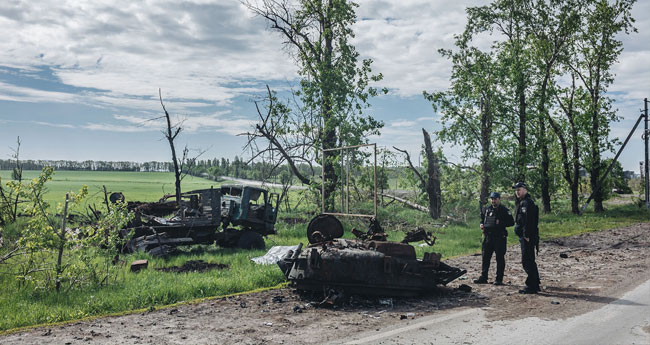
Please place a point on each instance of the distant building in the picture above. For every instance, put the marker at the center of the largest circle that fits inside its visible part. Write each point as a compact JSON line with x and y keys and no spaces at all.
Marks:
{"x":628,"y":174}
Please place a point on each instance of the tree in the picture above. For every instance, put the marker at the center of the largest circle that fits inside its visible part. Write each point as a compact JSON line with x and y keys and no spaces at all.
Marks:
{"x":509,"y":18}
{"x":567,"y":132}
{"x":10,"y":196}
{"x":185,"y":164}
{"x":430,"y":183}
{"x":470,"y":106}
{"x":551,"y":25}
{"x":171,"y":132}
{"x":596,"y":50}
{"x":327,"y":109}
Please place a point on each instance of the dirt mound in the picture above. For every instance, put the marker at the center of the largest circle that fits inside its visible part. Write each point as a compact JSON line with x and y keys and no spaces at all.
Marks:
{"x":194,"y":266}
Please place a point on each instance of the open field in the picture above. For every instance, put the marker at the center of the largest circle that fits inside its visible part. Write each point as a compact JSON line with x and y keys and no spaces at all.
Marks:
{"x":142,"y":186}
{"x":153,"y":288}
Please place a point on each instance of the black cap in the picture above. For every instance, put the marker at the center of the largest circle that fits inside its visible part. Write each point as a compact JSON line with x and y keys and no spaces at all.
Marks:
{"x":520,"y":185}
{"x":495,"y":195}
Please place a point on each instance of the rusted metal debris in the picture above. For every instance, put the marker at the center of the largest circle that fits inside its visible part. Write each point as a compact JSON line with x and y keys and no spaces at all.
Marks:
{"x":230,"y":216}
{"x":368,"y":265}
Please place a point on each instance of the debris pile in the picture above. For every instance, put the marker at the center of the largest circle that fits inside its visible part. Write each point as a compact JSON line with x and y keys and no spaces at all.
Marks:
{"x":368,"y":265}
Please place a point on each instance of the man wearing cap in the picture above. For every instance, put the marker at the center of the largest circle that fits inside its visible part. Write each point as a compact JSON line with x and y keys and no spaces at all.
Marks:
{"x":494,"y":220}
{"x":526,"y":218}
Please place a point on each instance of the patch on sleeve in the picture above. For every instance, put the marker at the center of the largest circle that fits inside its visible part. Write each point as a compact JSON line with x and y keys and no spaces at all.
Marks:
{"x":523,"y":210}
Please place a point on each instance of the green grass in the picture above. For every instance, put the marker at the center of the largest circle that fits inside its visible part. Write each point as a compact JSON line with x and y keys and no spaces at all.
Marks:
{"x":140,"y":186}
{"x":23,"y":307}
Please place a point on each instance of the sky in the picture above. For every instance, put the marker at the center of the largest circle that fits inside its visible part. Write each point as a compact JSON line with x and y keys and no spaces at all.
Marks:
{"x":79,"y":79}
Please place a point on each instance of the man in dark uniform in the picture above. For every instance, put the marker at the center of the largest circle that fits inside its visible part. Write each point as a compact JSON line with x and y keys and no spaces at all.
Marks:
{"x":494,"y":220}
{"x":526,"y":218}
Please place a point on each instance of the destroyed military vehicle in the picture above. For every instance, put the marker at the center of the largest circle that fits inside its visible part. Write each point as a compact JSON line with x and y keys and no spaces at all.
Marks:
{"x":367,"y":265}
{"x":234,"y":216}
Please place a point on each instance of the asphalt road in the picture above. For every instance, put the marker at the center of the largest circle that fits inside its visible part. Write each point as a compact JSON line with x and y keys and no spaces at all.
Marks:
{"x":624,"y":321}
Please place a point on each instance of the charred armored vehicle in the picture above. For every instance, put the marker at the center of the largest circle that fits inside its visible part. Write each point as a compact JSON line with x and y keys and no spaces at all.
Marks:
{"x":230,"y":216}
{"x":368,"y":265}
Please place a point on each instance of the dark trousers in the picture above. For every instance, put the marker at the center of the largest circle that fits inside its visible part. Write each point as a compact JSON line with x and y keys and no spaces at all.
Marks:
{"x":494,"y":244}
{"x":528,"y":261}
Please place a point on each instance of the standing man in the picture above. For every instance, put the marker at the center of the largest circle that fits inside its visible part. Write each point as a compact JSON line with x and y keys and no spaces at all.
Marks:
{"x":526,"y":217}
{"x":494,"y":220}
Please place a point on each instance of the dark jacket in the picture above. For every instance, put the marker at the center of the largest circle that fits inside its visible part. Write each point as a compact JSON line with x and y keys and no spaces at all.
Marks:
{"x":489,"y":217}
{"x":526,"y":218}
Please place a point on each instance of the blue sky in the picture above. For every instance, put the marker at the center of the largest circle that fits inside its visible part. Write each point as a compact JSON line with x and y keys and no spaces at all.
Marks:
{"x":78,"y":79}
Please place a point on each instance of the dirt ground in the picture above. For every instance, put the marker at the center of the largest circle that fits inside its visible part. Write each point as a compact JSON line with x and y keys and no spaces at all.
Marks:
{"x":578,"y":273}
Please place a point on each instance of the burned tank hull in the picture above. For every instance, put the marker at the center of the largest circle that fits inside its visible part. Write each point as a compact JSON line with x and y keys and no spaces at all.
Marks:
{"x":356,"y":266}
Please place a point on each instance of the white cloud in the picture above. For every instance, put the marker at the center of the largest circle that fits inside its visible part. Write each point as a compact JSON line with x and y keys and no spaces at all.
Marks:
{"x":109,"y":127}
{"x":217,"y":122}
{"x":57,"y":125}
{"x":9,"y":92}
{"x":196,"y":50}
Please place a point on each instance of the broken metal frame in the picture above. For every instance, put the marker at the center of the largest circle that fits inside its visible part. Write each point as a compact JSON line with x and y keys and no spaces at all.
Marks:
{"x":345,"y":206}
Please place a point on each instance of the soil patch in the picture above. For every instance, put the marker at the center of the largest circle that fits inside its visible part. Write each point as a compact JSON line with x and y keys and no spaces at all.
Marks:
{"x":194,"y":266}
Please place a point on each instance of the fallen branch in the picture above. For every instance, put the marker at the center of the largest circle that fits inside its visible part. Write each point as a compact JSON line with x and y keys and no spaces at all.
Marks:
{"x":406,"y":202}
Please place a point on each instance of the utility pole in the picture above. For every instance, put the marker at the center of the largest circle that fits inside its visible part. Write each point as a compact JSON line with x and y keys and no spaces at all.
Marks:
{"x":645,"y":138}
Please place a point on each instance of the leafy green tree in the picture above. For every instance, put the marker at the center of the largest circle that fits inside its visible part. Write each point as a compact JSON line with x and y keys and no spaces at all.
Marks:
{"x":327,"y":109}
{"x":509,"y":18}
{"x":568,"y":126}
{"x":551,"y":26}
{"x":97,"y":247}
{"x":596,"y":51}
{"x":469,"y":108}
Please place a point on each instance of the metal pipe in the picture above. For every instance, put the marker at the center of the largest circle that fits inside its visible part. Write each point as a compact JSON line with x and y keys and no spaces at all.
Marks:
{"x":645,"y":138}
{"x":375,"y":145}
{"x":322,"y":178}
{"x":350,"y":214}
{"x":347,"y":182}
{"x":349,"y":147}
{"x":342,"y":178}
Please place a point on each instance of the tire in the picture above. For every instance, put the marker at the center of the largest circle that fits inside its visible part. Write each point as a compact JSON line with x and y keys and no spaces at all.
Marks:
{"x":250,"y":240}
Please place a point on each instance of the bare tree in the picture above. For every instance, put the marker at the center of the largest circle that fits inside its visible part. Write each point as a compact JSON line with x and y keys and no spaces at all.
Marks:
{"x":288,"y":147}
{"x":170,"y":134}
{"x":10,"y":198}
{"x":182,"y":166}
{"x":430,"y":184}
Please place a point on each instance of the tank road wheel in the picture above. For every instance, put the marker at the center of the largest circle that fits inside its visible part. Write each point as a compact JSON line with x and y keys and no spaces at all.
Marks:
{"x":250,"y":240}
{"x":324,"y":227}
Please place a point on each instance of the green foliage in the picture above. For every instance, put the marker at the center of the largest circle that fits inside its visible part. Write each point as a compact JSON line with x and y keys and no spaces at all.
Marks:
{"x":327,"y":110}
{"x":98,"y":247}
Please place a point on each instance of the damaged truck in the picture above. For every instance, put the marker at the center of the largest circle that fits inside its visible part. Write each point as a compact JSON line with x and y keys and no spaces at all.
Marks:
{"x":232,"y":216}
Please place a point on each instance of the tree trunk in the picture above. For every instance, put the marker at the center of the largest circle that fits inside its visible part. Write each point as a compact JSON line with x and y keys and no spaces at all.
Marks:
{"x":486,"y":138}
{"x":521,"y":159}
{"x":575,"y":209}
{"x":433,"y":178}
{"x":545,"y":183}
{"x":171,"y":135}
{"x":595,"y":157}
{"x":543,"y":140}
{"x":329,"y":123}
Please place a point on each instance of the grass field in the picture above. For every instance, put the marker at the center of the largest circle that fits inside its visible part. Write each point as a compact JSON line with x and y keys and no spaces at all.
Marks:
{"x":21,"y":307}
{"x":141,"y":186}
